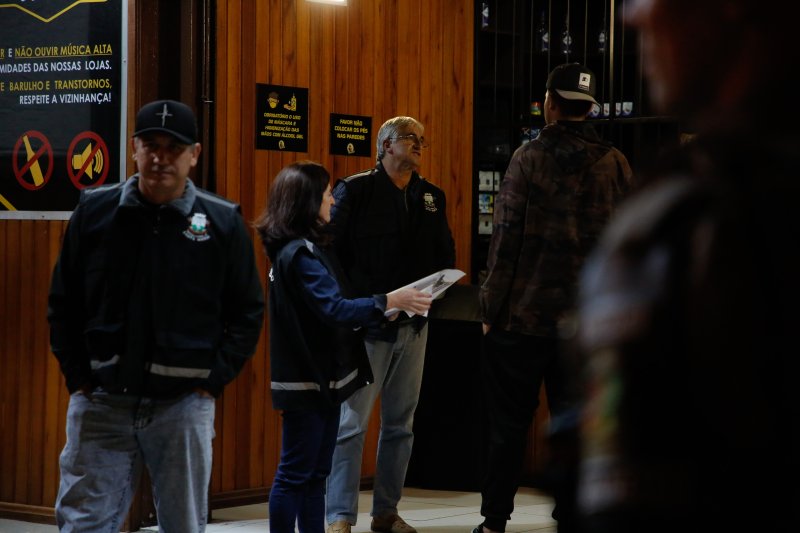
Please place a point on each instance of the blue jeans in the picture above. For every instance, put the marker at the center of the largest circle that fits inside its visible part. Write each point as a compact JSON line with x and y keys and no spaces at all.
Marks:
{"x":110,"y":437}
{"x":298,"y":491}
{"x":397,"y":368}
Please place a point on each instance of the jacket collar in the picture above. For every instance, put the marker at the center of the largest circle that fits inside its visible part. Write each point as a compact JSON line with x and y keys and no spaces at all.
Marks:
{"x":380,"y":170}
{"x":579,"y":127}
{"x":131,"y":197}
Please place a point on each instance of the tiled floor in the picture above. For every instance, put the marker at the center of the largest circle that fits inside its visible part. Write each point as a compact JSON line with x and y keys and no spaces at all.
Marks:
{"x":429,"y":511}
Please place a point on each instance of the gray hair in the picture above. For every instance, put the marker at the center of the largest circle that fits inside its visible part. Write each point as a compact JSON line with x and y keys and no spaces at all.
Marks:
{"x":392,"y":128}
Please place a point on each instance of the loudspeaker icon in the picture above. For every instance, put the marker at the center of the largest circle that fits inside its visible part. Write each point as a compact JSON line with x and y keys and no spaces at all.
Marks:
{"x":93,"y":168}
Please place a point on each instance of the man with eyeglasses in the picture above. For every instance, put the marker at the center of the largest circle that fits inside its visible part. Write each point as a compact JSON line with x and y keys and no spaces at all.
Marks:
{"x":155,"y":305}
{"x":390,"y":229}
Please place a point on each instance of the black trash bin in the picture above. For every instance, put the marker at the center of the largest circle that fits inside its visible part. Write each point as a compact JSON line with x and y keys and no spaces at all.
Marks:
{"x":450,"y":443}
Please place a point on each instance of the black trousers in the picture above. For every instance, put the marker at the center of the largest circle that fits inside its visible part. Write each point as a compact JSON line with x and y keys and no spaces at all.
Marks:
{"x":513,"y":368}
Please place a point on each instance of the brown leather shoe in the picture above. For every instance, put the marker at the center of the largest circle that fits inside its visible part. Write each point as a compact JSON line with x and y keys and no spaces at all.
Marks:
{"x":340,"y":526}
{"x":390,"y":524}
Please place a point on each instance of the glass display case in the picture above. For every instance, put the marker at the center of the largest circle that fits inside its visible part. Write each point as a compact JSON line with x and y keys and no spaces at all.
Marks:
{"x":517,"y":43}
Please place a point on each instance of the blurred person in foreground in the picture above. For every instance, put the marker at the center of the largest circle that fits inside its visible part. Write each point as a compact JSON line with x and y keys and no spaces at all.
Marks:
{"x":690,"y":305}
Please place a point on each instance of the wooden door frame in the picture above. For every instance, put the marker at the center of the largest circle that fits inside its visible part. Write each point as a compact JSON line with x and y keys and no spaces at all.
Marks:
{"x":165,"y":63}
{"x":173,"y":58}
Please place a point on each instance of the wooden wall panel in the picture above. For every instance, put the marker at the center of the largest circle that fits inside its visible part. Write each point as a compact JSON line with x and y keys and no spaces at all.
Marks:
{"x":21,"y":416}
{"x":33,"y":398}
{"x":377,"y":58}
{"x":10,"y":361}
{"x":55,"y":398}
{"x":457,"y":124}
{"x":244,"y":389}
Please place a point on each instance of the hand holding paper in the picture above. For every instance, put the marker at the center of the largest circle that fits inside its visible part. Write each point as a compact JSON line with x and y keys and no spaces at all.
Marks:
{"x":431,"y":287}
{"x":412,"y":301}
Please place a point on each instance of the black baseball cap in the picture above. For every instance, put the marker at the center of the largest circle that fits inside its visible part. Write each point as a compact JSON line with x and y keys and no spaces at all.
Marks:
{"x":573,"y":81}
{"x":167,"y":116}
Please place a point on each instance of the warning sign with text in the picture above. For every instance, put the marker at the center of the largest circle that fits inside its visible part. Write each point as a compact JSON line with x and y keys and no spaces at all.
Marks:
{"x":351,"y":135}
{"x":62,"y":102}
{"x":281,"y":118}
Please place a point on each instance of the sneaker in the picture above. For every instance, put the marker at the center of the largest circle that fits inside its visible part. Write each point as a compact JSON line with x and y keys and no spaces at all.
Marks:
{"x":340,"y":526}
{"x":390,"y":524}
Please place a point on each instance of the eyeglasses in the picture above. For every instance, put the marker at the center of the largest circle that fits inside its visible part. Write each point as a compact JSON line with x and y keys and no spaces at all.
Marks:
{"x":420,"y":141}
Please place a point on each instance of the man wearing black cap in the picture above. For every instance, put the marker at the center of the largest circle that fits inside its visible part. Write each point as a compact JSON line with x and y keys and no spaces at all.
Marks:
{"x":557,"y":194}
{"x":155,"y":305}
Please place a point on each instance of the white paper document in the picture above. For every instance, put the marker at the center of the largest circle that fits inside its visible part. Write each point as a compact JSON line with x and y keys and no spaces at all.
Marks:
{"x":435,"y":285}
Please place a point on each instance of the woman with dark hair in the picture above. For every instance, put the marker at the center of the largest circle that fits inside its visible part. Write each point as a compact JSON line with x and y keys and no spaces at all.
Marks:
{"x":317,"y":357}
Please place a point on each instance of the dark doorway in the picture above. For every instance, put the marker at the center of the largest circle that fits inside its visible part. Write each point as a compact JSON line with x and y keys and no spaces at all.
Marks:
{"x":174,"y":59}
